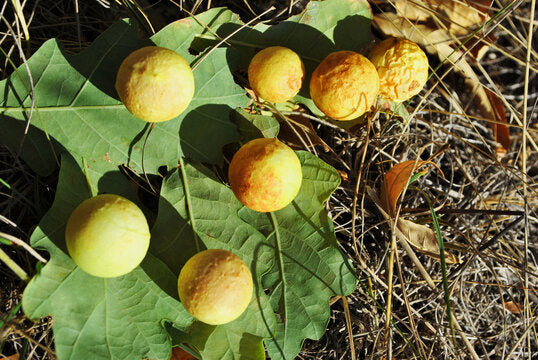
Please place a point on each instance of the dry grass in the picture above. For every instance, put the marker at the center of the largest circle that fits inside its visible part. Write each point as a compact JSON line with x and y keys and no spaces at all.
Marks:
{"x":487,"y":205}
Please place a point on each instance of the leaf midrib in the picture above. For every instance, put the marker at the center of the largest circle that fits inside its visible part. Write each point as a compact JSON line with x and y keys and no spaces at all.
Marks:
{"x":280,"y":260}
{"x":188,"y":203}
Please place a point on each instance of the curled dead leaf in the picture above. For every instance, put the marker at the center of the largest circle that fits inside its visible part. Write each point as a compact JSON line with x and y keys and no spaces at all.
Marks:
{"x":500,"y":131}
{"x":461,"y":17}
{"x":396,"y":180}
{"x":12,"y":357}
{"x":423,"y":239}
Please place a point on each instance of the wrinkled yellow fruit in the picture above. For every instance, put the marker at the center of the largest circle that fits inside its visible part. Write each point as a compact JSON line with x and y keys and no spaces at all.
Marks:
{"x":344,"y":85}
{"x":155,"y":84}
{"x":402,"y":67}
{"x":107,"y":236}
{"x":215,"y":286}
{"x":265,"y":175}
{"x":276,"y":74}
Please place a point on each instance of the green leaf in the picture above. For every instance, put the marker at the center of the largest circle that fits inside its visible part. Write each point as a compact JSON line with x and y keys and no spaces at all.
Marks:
{"x":226,"y":342}
{"x":76,"y":107}
{"x":253,"y":126}
{"x":119,"y":317}
{"x":309,"y":267}
{"x":235,"y":340}
{"x":198,"y":212}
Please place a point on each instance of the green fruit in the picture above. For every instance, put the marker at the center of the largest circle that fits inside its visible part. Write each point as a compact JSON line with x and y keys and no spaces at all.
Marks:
{"x":107,"y":236}
{"x":215,"y":286}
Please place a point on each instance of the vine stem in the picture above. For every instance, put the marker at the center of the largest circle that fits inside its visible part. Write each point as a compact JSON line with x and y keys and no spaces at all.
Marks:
{"x":143,"y":155}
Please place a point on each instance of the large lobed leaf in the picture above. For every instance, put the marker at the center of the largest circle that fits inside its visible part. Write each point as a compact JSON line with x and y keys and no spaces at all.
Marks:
{"x":309,"y":268}
{"x":198,"y":212}
{"x":116,"y":318}
{"x":75,"y":106}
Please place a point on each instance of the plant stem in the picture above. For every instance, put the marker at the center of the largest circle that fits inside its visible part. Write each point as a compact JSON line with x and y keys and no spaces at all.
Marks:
{"x":443,"y":264}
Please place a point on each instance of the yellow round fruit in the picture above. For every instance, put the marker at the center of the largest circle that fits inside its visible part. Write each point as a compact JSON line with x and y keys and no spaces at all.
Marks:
{"x":155,"y":84}
{"x":107,"y":236}
{"x":276,"y":74}
{"x":344,"y":85}
{"x":402,"y":67}
{"x":265,"y":174}
{"x":215,"y":286}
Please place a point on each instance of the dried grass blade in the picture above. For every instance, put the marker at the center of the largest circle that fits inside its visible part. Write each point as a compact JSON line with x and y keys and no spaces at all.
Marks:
{"x":20,"y":16}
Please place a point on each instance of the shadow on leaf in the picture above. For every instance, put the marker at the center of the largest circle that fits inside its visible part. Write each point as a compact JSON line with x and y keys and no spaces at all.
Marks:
{"x":205,"y":128}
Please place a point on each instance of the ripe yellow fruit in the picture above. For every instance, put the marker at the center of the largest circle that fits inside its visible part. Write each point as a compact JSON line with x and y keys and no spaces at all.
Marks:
{"x":215,"y":286}
{"x":344,"y":85}
{"x":276,"y":74}
{"x":107,"y":236}
{"x":155,"y":84}
{"x":402,"y":67}
{"x":265,"y":174}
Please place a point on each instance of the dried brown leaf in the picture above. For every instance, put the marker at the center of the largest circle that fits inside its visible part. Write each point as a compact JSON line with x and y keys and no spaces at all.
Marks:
{"x":396,"y":180}
{"x":464,"y":16}
{"x":412,"y":10}
{"x":419,"y":236}
{"x":423,"y":239}
{"x":513,"y":307}
{"x":500,"y":131}
{"x":11,"y":357}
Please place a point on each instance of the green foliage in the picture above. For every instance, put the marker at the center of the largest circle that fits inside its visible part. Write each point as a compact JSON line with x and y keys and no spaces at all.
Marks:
{"x":253,"y":126}
{"x":108,"y":318}
{"x":309,"y":269}
{"x":74,"y":110}
{"x":198,"y":212}
{"x":324,"y":27}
